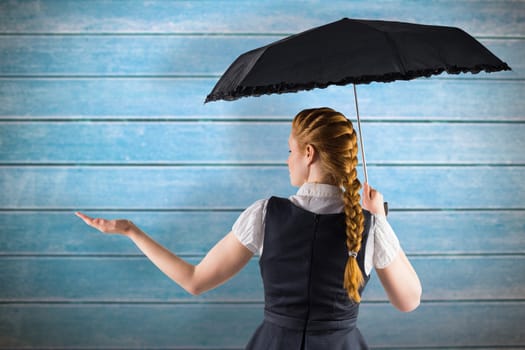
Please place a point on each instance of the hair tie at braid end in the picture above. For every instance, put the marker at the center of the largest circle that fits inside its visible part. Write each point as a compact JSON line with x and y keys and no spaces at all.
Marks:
{"x":352,"y":254}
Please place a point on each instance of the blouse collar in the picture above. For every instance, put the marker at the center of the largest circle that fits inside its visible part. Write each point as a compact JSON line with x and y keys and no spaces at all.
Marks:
{"x":312,"y":189}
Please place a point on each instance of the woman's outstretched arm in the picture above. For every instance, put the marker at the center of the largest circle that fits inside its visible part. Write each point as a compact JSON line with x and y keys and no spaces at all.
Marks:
{"x":398,"y":277}
{"x":221,"y":263}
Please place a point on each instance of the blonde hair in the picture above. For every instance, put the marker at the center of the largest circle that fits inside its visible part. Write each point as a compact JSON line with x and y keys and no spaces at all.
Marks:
{"x":335,"y":141}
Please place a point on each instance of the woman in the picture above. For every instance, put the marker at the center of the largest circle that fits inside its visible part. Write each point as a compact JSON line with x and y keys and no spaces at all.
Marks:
{"x":317,"y":247}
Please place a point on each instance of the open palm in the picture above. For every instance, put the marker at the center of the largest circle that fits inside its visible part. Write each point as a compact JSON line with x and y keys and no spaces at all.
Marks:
{"x":121,"y":226}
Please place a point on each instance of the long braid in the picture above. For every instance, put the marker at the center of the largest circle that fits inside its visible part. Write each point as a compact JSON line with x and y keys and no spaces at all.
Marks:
{"x":354,"y":226}
{"x":335,"y":140}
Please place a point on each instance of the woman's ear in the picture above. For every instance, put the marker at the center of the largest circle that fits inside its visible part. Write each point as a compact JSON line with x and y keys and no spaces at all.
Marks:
{"x":310,"y":154}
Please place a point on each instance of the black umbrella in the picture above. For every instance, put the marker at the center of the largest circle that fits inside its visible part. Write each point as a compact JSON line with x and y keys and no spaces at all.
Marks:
{"x":357,"y":52}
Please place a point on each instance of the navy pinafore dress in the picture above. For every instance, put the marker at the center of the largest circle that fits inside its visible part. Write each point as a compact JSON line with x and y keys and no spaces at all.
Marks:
{"x":302,"y":267}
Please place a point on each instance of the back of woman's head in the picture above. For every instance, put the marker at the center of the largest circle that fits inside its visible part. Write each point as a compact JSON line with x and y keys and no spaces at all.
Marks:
{"x":334,"y":139}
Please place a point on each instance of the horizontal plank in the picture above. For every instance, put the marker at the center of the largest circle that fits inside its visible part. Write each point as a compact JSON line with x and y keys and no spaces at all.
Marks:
{"x":477,"y":17}
{"x":39,"y":187}
{"x":187,"y":233}
{"x":422,"y":99}
{"x":131,"y":187}
{"x":460,"y":232}
{"x":135,"y":279}
{"x":166,"y":55}
{"x":173,"y":326}
{"x":259,"y":142}
{"x":128,"y":55}
{"x":194,"y":233}
{"x":443,"y":324}
{"x":112,"y":280}
{"x":463,"y":278}
{"x":130,"y":327}
{"x":143,"y":142}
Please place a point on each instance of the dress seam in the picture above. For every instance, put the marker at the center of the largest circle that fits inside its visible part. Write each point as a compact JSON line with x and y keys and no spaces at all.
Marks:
{"x":307,"y":318}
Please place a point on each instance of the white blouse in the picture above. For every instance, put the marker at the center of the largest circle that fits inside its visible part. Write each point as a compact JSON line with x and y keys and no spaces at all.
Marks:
{"x":382,"y":245}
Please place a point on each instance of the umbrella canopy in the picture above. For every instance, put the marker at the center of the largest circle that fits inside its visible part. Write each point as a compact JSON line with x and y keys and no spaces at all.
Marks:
{"x":353,"y":51}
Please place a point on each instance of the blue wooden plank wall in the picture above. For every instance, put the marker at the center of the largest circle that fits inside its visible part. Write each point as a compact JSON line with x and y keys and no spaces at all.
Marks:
{"x":101,"y":110}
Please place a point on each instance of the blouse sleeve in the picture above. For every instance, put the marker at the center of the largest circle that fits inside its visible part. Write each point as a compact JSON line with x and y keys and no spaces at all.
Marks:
{"x":249,"y":226}
{"x":382,"y":246}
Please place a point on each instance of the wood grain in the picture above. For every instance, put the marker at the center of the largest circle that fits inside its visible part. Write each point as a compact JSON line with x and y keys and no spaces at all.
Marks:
{"x":159,"y":55}
{"x":195,"y":232}
{"x":199,"y":326}
{"x":182,"y":98}
{"x":135,"y":279}
{"x":478,"y":17}
{"x":101,"y":109}
{"x":211,"y":187}
{"x":262,"y":143}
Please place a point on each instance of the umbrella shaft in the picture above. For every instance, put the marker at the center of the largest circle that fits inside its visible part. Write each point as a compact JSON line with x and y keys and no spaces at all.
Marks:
{"x":361,"y":145}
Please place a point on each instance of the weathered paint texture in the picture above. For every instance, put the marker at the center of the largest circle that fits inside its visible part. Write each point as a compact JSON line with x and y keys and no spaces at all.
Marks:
{"x":101,"y":110}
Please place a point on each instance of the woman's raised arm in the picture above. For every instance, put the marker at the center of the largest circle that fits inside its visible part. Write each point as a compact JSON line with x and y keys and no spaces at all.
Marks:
{"x":221,"y":263}
{"x":398,"y":277}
